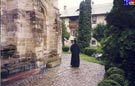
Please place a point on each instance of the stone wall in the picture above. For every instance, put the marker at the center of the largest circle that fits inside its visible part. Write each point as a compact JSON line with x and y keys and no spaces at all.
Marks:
{"x":33,"y":26}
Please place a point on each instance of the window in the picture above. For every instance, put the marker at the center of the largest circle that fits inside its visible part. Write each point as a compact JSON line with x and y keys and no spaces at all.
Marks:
{"x":94,"y":19}
{"x":93,"y":42}
{"x":73,"y":32}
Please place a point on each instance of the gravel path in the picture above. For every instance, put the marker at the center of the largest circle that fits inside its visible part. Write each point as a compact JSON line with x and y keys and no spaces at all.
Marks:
{"x":88,"y":74}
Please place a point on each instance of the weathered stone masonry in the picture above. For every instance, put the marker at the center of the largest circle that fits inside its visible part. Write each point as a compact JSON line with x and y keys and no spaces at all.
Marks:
{"x":30,"y":30}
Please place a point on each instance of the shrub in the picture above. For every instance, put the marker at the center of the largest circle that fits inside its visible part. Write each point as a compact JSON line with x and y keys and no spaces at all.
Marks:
{"x":89,"y":51}
{"x":126,"y":83}
{"x":99,"y":50}
{"x":108,"y":83}
{"x":92,"y":51}
{"x":118,"y":78}
{"x":65,"y":49}
{"x":114,"y":70}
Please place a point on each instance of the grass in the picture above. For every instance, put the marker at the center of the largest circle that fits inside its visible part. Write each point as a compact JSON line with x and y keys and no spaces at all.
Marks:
{"x":90,"y":59}
{"x":87,"y":58}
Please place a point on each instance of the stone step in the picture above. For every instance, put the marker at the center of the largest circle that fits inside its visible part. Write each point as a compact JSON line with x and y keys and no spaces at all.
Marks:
{"x":54,"y":63}
{"x":19,"y":76}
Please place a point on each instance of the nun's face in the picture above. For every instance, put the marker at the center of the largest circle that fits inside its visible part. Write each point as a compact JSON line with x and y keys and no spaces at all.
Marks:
{"x":72,"y":41}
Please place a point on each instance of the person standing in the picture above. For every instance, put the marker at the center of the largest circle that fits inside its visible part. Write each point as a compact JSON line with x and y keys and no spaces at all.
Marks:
{"x":75,"y":59}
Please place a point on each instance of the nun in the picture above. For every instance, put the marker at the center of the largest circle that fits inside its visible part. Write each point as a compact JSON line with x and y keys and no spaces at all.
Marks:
{"x":75,"y":59}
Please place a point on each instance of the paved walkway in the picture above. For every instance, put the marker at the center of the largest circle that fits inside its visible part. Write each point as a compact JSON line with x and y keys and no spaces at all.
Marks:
{"x":88,"y":74}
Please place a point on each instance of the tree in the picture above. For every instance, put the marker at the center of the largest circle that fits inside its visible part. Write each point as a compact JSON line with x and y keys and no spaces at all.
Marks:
{"x":98,"y":32}
{"x":84,"y":29}
{"x":65,"y":34}
{"x":119,"y":43}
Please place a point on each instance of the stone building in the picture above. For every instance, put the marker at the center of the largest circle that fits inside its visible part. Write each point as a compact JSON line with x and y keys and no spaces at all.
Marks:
{"x":30,"y":31}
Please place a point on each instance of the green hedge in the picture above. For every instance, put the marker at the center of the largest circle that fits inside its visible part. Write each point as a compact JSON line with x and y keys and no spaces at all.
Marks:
{"x":99,"y":50}
{"x":115,"y":70}
{"x":65,"y":49}
{"x":114,"y":77}
{"x":126,"y":83}
{"x":118,"y":78}
{"x":108,"y":82}
{"x":89,"y":51}
{"x":92,"y":50}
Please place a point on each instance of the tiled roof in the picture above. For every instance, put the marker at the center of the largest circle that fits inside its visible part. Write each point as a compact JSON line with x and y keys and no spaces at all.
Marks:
{"x":96,"y":9}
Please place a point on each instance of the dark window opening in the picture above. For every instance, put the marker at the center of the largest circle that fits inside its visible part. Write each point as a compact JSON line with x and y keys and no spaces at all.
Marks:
{"x":94,"y":19}
{"x":93,"y":42}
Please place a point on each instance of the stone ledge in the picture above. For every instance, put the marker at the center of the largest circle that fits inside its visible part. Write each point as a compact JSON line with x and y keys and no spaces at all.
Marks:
{"x":20,"y":76}
{"x":52,"y":59}
{"x":54,"y":63}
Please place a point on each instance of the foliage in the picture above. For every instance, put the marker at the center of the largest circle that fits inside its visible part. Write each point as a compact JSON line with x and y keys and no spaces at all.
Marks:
{"x":98,"y":32}
{"x":84,"y":30}
{"x":108,"y":83}
{"x":126,"y":83}
{"x":89,"y":51}
{"x":65,"y":49}
{"x":92,"y":50}
{"x":115,"y":70}
{"x":114,"y":74}
{"x":118,"y":78}
{"x":65,"y":34}
{"x":119,"y":40}
{"x":99,"y":50}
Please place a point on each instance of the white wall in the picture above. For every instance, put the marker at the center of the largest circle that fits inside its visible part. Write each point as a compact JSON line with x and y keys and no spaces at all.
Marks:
{"x":67,"y":24}
{"x":100,"y":19}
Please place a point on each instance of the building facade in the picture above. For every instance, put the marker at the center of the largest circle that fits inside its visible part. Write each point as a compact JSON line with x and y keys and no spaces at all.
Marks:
{"x":30,"y":32}
{"x":71,"y":17}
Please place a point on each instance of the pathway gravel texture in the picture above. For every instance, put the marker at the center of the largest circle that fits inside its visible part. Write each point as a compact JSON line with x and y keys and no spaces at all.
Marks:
{"x":88,"y":74}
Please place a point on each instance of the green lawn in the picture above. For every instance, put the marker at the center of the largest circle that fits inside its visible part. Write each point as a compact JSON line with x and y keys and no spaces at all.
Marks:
{"x":87,"y":58}
{"x":90,"y":59}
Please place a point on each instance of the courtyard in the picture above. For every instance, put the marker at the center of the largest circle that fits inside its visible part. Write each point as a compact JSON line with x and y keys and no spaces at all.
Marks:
{"x":88,"y":74}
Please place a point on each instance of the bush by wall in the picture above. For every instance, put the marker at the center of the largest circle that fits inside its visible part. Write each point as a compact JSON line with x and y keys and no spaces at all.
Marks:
{"x":114,"y":70}
{"x":99,"y":50}
{"x":89,"y":51}
{"x":65,"y":49}
{"x":118,"y":78}
{"x":92,"y":50}
{"x":108,"y":82}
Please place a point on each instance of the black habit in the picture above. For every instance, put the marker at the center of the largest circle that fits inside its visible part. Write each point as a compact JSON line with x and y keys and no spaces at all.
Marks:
{"x":75,"y":60}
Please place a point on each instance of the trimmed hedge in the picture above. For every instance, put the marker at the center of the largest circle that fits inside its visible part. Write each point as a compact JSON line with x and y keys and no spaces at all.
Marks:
{"x":118,"y":78}
{"x":99,"y":50}
{"x":65,"y":49}
{"x":92,"y":50}
{"x":114,"y":77}
{"x":89,"y":51}
{"x":108,"y":82}
{"x":115,"y":70}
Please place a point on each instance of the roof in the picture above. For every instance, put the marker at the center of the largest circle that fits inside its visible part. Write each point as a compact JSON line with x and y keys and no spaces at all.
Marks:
{"x":96,"y":9}
{"x":102,"y":8}
{"x":70,"y":12}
